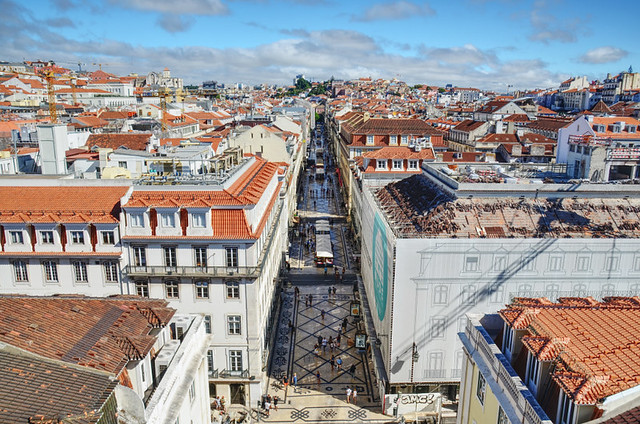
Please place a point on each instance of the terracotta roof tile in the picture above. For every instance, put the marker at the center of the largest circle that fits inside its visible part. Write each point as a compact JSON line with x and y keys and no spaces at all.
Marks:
{"x":116,"y":140}
{"x":595,"y":344}
{"x":78,"y":330}
{"x":60,"y":204}
{"x":34,"y":389}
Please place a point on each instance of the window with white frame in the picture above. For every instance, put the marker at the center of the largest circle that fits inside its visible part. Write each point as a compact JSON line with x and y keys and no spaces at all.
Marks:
{"x":468,"y":295}
{"x":46,"y":237}
{"x":397,"y":164}
{"x":136,"y":219}
{"x":235,"y":360}
{"x":565,"y":410}
{"x":404,"y":139}
{"x":381,"y":164}
{"x":108,"y":238}
{"x":440,"y":295}
{"x":77,"y":237}
{"x":207,"y":324}
{"x":481,"y":389}
{"x":16,"y":237}
{"x":508,"y":339}
{"x":611,"y":263}
{"x":80,"y":271}
{"x":142,"y":288}
{"x":369,"y":139}
{"x":200,"y":253}
{"x":232,"y":256}
{"x":608,"y":290}
{"x":556,"y":262}
{"x":198,"y":219}
{"x":139,"y":255}
{"x":170,"y":258}
{"x":636,"y":263}
{"x":438,"y":327}
{"x":168,"y":219}
{"x":533,"y":369}
{"x":528,"y":263}
{"x":413,"y":164}
{"x":20,"y":271}
{"x":393,"y":140}
{"x":210,"y":363}
{"x":525,"y":290}
{"x":50,"y":271}
{"x":499,"y":262}
{"x":110,"y":271}
{"x":172,"y":289}
{"x":580,"y":290}
{"x":233,"y":324}
{"x":552,"y":291}
{"x":233,"y":290}
{"x":496,"y":293}
{"x":583,"y":262}
{"x":202,"y":290}
{"x":471,"y":263}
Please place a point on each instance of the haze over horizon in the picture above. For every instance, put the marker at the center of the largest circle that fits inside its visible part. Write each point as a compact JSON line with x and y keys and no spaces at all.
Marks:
{"x":488,"y":44}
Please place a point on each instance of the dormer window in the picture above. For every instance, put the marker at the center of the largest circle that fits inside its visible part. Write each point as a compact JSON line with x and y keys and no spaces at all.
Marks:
{"x":615,"y":128}
{"x":404,"y":139}
{"x":381,"y":164}
{"x":397,"y":164}
{"x":393,"y":140}
{"x":136,"y":219}
{"x":77,"y":237}
{"x":168,"y":220}
{"x":631,"y":128}
{"x":370,"y":139}
{"x":413,"y":164}
{"x":199,"y":219}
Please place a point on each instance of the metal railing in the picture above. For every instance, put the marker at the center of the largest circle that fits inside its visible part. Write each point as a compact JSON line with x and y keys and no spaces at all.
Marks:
{"x":191,"y":271}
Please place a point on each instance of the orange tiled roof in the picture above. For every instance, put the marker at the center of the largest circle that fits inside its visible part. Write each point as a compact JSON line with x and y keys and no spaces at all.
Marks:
{"x":104,"y":334}
{"x":132,"y":141}
{"x":399,"y":152}
{"x":595,"y":344}
{"x":60,"y":204}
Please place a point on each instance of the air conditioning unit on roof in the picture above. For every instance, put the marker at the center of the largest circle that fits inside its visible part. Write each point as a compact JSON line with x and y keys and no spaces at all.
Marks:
{"x":165,"y":356}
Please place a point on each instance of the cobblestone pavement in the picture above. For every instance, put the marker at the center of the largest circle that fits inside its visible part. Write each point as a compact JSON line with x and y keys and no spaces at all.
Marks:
{"x":320,"y":400}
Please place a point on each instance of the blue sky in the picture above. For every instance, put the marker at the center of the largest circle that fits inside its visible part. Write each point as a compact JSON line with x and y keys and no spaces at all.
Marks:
{"x":479,"y":43}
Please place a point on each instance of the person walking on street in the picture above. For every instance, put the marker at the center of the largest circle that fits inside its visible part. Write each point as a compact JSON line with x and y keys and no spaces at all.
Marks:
{"x":354,"y":397}
{"x":295,"y":382}
{"x":318,"y":377}
{"x":332,"y":361}
{"x":338,"y":340}
{"x":275,"y":402}
{"x":339,"y":363}
{"x":324,"y":345}
{"x":285,"y":382}
{"x":322,"y":314}
{"x":310,"y":300}
{"x":334,"y":291}
{"x":352,"y":370}
{"x":348,"y":394}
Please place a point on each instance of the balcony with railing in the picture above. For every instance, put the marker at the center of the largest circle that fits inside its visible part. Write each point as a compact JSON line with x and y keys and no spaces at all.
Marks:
{"x":480,"y":345}
{"x":191,"y":271}
{"x":225,"y":373}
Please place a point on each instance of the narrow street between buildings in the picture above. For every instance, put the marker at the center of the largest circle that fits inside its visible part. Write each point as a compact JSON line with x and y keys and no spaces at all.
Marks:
{"x":315,"y":344}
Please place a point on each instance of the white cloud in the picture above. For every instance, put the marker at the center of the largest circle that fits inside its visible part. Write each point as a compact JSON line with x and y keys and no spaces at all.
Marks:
{"x":173,"y":23}
{"x":318,"y":54}
{"x":182,"y":7}
{"x":400,"y":9}
{"x":603,"y":54}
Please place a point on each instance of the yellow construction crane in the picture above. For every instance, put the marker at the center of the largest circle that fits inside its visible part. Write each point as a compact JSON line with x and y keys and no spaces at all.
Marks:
{"x":49,"y":77}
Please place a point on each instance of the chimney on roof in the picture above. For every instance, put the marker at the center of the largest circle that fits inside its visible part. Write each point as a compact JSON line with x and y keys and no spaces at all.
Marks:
{"x":366,"y":116}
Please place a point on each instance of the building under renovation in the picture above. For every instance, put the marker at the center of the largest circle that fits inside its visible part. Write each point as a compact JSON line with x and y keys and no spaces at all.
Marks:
{"x":444,"y":243}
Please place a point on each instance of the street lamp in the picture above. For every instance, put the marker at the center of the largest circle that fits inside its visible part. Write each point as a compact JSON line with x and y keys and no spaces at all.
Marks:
{"x":414,"y":358}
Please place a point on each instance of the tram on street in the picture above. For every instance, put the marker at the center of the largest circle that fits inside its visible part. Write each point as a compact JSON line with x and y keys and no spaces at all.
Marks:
{"x":324,"y":250}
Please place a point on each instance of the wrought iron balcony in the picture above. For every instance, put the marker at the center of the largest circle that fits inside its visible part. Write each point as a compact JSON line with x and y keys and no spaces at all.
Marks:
{"x":229,"y":374}
{"x":191,"y":271}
